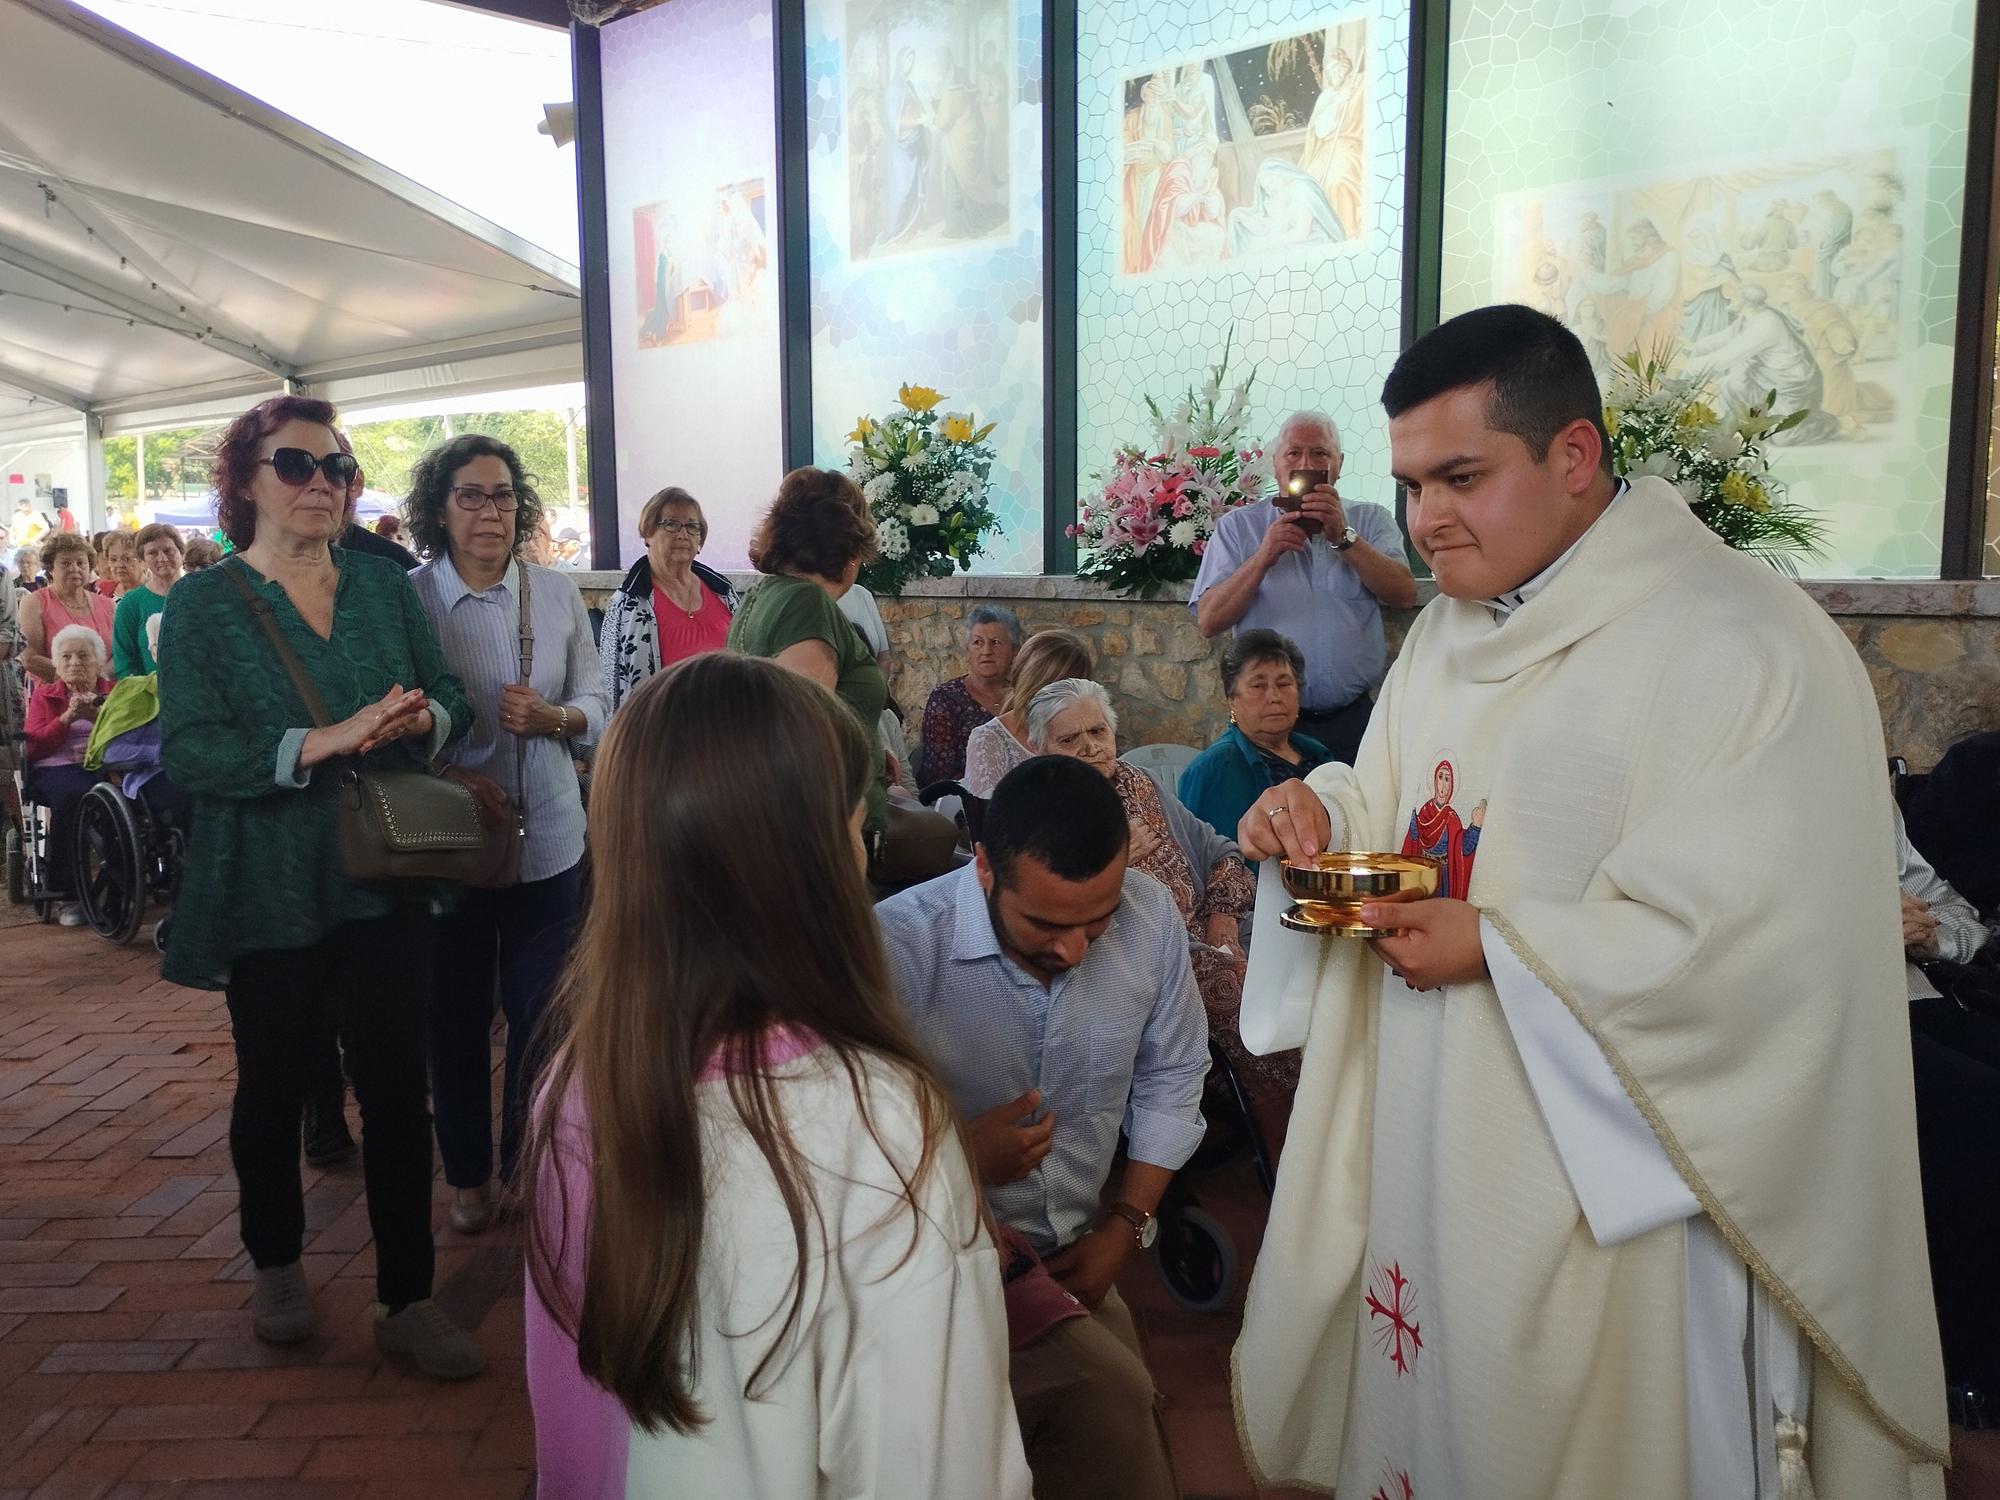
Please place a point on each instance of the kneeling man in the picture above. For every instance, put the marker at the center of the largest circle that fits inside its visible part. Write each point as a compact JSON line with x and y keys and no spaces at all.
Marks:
{"x":1051,"y":986}
{"x":1603,"y":1180}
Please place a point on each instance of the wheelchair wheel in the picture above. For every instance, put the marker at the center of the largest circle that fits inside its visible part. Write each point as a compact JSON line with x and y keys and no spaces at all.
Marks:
{"x":17,"y":867}
{"x":110,"y":864}
{"x":1197,"y":1260}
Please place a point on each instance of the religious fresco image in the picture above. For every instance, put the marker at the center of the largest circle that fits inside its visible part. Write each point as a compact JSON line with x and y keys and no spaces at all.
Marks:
{"x":1786,"y":275}
{"x":1246,"y":154}
{"x":703,"y":267}
{"x":930,"y":93}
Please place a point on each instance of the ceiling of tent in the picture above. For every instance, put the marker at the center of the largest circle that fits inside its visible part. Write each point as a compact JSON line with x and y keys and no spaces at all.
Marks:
{"x":164,"y":234}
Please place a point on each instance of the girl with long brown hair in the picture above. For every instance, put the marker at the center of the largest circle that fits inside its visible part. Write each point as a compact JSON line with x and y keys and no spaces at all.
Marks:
{"x":758,"y":1260}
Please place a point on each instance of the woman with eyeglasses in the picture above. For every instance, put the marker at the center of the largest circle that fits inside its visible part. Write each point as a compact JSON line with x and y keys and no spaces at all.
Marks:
{"x":471,"y":510}
{"x":669,"y":607}
{"x":264,"y":912}
{"x":68,"y":599}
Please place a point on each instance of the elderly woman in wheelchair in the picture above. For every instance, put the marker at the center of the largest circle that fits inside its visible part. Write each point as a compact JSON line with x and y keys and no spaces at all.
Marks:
{"x":111,"y":826}
{"x":60,"y":717}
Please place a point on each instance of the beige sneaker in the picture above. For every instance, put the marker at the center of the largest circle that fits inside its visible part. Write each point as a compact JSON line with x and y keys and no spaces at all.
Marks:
{"x":442,"y":1349}
{"x":281,"y":1308}
{"x":472,"y":1209}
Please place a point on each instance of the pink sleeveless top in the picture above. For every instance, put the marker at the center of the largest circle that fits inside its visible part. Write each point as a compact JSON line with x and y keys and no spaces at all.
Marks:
{"x":55,"y":615}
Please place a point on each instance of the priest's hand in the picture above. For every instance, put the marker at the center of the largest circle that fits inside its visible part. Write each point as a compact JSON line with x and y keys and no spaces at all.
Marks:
{"x":1920,"y":928}
{"x":1288,"y":820}
{"x":1436,"y":942}
{"x":1089,"y":1268}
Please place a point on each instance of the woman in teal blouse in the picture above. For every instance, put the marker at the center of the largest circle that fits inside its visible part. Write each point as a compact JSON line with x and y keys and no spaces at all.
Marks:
{"x":263,"y":911}
{"x":1261,"y":672}
{"x":812,"y":543}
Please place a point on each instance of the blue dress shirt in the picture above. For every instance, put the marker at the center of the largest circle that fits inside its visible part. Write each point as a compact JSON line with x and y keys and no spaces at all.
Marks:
{"x":1313,"y":597}
{"x":1119,"y":1041}
{"x":480,"y":634}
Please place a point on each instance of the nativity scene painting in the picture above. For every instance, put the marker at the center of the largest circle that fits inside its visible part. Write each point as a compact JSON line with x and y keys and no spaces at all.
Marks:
{"x":930,"y":97}
{"x":1786,"y":275}
{"x":703,"y":266}
{"x":1251,"y":153}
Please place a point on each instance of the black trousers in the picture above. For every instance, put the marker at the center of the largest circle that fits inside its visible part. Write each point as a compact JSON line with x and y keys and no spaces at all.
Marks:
{"x":1956,"y":1056}
{"x":373,"y":978}
{"x":519,"y":935}
{"x":1339,"y":729}
{"x":61,"y":789}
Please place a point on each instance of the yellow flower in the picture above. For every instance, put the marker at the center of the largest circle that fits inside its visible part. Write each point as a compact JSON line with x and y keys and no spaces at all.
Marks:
{"x":1737,"y":490}
{"x":957,"y":428}
{"x":1611,"y":420}
{"x":863,"y":428}
{"x":1696,"y":415}
{"x":1759,"y":500}
{"x":918,"y":397}
{"x":985,"y":432}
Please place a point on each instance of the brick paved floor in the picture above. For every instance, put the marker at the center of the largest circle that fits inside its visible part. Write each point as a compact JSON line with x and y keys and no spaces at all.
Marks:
{"x":127,"y":1368}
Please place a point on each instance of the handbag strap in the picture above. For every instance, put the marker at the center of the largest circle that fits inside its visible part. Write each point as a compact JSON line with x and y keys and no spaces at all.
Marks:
{"x":527,"y":669}
{"x":261,"y":611}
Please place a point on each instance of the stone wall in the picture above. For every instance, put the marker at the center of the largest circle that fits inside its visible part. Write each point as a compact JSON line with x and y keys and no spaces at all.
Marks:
{"x":1931,"y":649}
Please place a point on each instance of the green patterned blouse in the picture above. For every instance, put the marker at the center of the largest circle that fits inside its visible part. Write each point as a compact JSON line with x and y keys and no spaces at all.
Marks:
{"x":263,"y":866}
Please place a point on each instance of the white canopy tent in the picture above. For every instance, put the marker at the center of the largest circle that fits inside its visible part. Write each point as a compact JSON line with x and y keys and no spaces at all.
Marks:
{"x":172,"y":249}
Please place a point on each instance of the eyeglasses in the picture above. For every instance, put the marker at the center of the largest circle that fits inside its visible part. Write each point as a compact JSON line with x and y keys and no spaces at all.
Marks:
{"x":296,"y":466}
{"x":471,"y":497}
{"x":680,"y":528}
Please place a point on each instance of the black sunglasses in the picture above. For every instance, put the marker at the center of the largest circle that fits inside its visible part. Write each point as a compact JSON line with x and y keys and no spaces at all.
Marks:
{"x":296,"y":466}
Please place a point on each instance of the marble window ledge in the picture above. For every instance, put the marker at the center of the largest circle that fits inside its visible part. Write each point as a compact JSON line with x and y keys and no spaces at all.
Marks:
{"x":1865,"y":596}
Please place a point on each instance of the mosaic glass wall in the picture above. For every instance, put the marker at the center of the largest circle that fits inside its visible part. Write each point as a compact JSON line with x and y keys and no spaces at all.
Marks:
{"x":924,"y":165}
{"x":1776,"y":188}
{"x":693,"y":264}
{"x":1240,"y":177}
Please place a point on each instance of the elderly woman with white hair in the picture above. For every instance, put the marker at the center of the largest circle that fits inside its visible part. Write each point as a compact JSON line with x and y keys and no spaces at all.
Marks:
{"x":957,"y":707}
{"x":1200,"y":868}
{"x":59,"y":720}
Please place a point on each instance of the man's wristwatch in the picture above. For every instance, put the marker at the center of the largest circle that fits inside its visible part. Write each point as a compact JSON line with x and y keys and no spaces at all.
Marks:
{"x":1145,"y":1228}
{"x":1347,"y":539}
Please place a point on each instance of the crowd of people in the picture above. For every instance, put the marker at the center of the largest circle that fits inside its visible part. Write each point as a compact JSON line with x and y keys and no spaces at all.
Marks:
{"x":833,"y":1132}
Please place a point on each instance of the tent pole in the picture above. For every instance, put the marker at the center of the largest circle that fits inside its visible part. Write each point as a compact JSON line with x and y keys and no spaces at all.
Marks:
{"x":96,"y":513}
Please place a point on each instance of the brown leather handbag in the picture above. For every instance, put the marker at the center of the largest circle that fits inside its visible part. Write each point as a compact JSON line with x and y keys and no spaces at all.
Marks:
{"x":405,"y":830}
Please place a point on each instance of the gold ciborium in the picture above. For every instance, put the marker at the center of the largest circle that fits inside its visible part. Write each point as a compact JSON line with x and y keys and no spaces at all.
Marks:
{"x":1331,"y":891}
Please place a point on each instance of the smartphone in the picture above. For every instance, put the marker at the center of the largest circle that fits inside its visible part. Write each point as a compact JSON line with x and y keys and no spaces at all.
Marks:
{"x":1297,"y":486}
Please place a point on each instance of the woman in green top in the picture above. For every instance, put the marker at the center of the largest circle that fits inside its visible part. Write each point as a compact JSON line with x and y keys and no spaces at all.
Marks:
{"x":812,"y":543}
{"x":263,"y":911}
{"x":159,"y":570}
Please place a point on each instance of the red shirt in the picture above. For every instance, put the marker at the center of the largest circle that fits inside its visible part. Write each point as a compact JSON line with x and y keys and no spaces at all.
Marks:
{"x":682,"y":634}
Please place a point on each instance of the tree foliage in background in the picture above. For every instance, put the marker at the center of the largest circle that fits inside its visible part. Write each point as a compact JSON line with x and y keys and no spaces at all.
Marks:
{"x":178,"y":460}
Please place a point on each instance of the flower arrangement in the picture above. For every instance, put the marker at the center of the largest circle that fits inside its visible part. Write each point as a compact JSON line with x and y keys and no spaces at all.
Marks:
{"x":1151,"y":518}
{"x":924,"y":475}
{"x":1661,"y":424}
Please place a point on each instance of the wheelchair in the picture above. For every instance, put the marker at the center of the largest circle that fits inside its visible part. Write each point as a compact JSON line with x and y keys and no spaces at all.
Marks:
{"x":127,"y":852}
{"x":1194,"y":1254}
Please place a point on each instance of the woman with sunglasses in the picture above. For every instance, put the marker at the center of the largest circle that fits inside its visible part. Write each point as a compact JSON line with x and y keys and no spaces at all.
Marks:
{"x":669,"y":607}
{"x":471,"y":510}
{"x":264,"y":912}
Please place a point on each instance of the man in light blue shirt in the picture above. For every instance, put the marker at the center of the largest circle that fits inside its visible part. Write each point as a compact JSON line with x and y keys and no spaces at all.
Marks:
{"x":1319,"y":575}
{"x":1051,"y":987}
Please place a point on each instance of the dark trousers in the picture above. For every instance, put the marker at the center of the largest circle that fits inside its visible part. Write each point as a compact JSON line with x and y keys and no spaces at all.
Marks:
{"x":1339,"y":729}
{"x":61,"y":789}
{"x":518,"y":935}
{"x":1956,"y":1056}
{"x":372,"y":978}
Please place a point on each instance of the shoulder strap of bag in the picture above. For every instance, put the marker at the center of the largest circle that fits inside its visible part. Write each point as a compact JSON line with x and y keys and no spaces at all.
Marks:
{"x":260,"y":609}
{"x":527,"y":668}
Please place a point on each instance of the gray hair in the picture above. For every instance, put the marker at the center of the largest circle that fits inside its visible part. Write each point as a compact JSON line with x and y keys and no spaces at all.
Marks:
{"x":1058,"y":698}
{"x":1247,"y":648}
{"x":1309,"y":419}
{"x":994,"y":614}
{"x":77,"y":633}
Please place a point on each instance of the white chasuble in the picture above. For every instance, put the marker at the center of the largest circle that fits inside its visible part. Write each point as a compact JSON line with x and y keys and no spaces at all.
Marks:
{"x":1527,"y":1230}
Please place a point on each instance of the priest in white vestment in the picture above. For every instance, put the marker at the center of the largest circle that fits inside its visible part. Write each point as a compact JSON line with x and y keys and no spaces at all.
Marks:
{"x":1602,"y":1182}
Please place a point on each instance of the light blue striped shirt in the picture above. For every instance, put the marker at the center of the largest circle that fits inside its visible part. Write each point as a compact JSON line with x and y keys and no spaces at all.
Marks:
{"x":1119,"y":1041}
{"x":480,"y":636}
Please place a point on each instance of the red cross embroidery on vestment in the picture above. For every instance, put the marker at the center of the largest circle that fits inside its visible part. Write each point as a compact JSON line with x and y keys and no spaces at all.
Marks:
{"x":1392,"y":1308}
{"x":1395,"y":1485}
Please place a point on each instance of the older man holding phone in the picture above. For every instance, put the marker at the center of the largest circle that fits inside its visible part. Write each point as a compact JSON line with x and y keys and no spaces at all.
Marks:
{"x":1317,"y":569}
